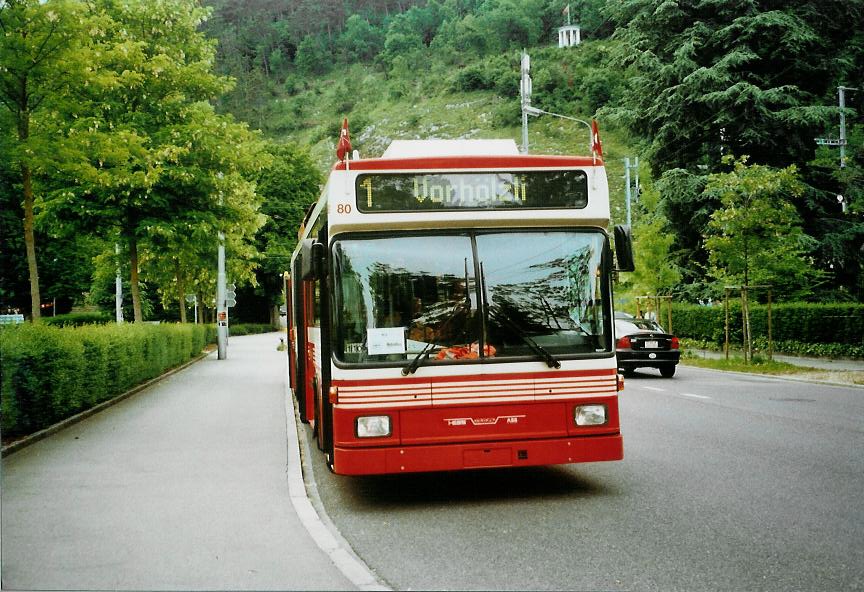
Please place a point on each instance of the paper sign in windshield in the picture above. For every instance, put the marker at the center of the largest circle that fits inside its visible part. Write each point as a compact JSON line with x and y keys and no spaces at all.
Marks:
{"x":388,"y":340}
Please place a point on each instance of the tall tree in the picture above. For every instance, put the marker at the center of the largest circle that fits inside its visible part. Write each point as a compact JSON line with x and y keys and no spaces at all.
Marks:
{"x":287,"y":186}
{"x":713,"y":78}
{"x":156,"y":150}
{"x":43,"y":52}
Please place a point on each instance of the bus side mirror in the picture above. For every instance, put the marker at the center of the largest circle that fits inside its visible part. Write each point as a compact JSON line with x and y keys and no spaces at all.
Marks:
{"x":624,"y":248}
{"x":312,"y":257}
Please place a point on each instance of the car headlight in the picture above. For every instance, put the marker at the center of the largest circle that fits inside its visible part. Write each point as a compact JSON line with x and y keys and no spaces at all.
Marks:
{"x":589,"y":415}
{"x":373,"y":426}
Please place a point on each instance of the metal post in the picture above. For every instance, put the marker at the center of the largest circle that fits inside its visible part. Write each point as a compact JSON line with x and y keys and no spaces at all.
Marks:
{"x":842,"y":96}
{"x":221,"y":308}
{"x":770,"y":334}
{"x":726,"y":307}
{"x":525,"y":94}
{"x":627,"y":186}
{"x":118,"y":288}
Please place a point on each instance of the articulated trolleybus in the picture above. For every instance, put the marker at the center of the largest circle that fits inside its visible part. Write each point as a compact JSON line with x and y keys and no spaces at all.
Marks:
{"x":451,"y":308}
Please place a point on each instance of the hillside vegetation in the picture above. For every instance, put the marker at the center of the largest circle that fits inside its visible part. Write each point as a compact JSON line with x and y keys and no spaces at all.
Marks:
{"x":149,"y":128}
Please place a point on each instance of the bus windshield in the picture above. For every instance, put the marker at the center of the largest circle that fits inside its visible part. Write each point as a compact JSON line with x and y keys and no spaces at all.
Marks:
{"x":470,"y":296}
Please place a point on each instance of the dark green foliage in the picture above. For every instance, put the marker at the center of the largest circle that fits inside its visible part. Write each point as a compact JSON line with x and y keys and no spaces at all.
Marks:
{"x":50,"y":373}
{"x":76,"y":319}
{"x":799,"y":322}
{"x":252,"y":329}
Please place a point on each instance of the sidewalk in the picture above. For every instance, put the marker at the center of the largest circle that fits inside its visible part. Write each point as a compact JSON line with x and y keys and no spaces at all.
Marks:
{"x":183,"y":486}
{"x":843,"y":364}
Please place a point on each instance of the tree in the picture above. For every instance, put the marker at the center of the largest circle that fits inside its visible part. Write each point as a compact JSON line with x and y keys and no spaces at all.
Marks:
{"x":156,"y":151}
{"x":287,"y":186}
{"x":44,"y":57}
{"x":714,"y":78}
{"x":361,"y":40}
{"x":755,"y":237}
{"x":656,"y":271}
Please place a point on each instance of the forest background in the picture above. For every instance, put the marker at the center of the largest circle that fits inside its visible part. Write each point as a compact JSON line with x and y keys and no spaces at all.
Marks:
{"x":132,"y":134}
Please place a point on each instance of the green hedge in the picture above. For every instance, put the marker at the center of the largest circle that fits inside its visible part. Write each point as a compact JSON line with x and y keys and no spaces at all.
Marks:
{"x":252,"y":329}
{"x":50,"y":373}
{"x":834,"y":325}
{"x":76,"y":319}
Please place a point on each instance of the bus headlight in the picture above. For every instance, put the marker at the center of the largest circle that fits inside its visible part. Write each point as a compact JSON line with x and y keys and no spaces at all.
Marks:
{"x":373,"y":426}
{"x":589,"y":415}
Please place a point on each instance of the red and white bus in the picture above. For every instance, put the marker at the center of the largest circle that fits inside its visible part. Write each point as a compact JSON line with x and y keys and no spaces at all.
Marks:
{"x":451,"y":308}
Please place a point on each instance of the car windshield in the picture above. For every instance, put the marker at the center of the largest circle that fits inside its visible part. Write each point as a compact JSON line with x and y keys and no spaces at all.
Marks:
{"x":470,"y":296}
{"x":624,"y":327}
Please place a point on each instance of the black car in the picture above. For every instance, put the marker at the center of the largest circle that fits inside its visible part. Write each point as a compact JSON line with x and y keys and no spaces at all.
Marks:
{"x":642,"y":343}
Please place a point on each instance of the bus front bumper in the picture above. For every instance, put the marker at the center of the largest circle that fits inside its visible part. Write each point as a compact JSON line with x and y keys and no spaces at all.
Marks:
{"x":476,"y":455}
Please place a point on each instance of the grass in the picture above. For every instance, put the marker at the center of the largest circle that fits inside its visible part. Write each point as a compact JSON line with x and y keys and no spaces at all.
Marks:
{"x":737,"y":364}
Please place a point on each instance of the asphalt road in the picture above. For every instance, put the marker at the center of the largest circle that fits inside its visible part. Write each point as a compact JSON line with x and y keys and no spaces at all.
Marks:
{"x":730,"y":482}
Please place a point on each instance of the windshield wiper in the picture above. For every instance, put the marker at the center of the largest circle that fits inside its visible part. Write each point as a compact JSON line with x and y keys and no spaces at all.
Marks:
{"x":424,"y":353}
{"x":538,"y":349}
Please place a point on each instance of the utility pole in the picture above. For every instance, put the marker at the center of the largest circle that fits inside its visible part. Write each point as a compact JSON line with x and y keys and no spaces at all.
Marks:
{"x":841,"y":141}
{"x":525,"y":92}
{"x":221,"y":308}
{"x":527,"y":109}
{"x":118,"y":288}
{"x":841,"y":96}
{"x":627,"y":194}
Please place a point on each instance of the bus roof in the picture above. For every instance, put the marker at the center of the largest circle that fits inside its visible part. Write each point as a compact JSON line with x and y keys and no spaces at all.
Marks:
{"x":433,"y":163}
{"x":461,"y":154}
{"x":426,"y":148}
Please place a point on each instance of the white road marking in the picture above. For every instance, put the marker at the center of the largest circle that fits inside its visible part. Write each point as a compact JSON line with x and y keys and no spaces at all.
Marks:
{"x":694,"y":396}
{"x":654,"y":388}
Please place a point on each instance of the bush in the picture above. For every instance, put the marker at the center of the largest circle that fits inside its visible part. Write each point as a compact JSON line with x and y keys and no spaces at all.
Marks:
{"x":51,"y":373}
{"x":76,"y":319}
{"x":252,"y":329}
{"x":802,"y":323}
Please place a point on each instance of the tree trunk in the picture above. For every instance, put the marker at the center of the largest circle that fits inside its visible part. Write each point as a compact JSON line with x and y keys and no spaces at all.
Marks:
{"x":29,"y":238}
{"x":136,"y":293}
{"x":30,"y":243}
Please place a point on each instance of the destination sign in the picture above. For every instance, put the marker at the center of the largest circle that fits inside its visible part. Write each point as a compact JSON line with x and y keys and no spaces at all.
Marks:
{"x":472,"y":191}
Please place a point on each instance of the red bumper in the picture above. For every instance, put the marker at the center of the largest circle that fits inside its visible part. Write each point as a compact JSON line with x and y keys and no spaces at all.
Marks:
{"x":450,"y":457}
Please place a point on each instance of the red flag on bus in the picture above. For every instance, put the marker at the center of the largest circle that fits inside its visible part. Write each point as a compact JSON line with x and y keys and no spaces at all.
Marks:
{"x":344,"y":145}
{"x":596,"y":146}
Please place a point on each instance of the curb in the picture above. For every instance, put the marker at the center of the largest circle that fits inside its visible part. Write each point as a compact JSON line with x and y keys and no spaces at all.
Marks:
{"x":69,"y":421}
{"x":319,"y":527}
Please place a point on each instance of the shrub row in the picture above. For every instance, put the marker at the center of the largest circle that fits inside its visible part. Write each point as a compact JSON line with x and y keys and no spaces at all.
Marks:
{"x":76,"y":319}
{"x":252,"y":329}
{"x":50,"y":373}
{"x":799,"y":322}
{"x":794,"y":348}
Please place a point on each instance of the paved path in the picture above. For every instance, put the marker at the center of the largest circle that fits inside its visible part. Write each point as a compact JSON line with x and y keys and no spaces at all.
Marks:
{"x":820,"y":363}
{"x":181,"y":487}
